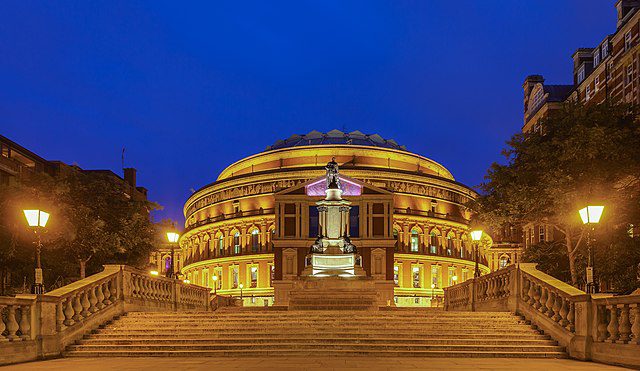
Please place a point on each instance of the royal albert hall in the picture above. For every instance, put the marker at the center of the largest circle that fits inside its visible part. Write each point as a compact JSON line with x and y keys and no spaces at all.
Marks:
{"x":251,"y":229}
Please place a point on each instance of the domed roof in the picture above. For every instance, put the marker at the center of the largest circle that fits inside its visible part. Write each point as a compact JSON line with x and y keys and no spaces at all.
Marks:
{"x":315,"y":138}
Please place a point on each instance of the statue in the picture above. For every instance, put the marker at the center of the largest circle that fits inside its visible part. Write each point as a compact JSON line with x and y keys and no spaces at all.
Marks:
{"x":333,"y":181}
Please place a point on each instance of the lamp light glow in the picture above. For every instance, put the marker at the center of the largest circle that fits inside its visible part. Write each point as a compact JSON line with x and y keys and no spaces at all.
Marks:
{"x":215,"y":278}
{"x":241,"y":286}
{"x":36,"y":218}
{"x":591,"y":214}
{"x":476,"y":235}
{"x":173,"y":237}
{"x":154,"y":273}
{"x":454,"y":278}
{"x":186,"y":281}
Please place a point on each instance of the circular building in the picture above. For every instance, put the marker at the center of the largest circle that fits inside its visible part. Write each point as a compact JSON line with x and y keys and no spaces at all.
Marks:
{"x":252,"y":227}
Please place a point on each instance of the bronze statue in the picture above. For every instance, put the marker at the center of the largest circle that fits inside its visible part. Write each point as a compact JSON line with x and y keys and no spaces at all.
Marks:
{"x":333,"y":181}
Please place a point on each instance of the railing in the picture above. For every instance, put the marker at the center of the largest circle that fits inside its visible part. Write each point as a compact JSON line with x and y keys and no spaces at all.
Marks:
{"x":221,"y":217}
{"x":38,"y":326}
{"x":430,"y":214}
{"x":591,"y":327}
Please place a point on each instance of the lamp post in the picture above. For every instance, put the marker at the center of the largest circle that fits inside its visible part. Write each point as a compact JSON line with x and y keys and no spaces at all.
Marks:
{"x":476,"y":236}
{"x":433,"y":291}
{"x":241,"y":286}
{"x":37,"y":219}
{"x":215,"y":285}
{"x":590,"y":216}
{"x":173,"y":238}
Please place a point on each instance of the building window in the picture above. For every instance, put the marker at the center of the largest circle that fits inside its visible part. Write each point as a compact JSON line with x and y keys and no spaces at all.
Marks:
{"x":627,"y":41}
{"x":541,"y":233}
{"x":465,"y":275}
{"x":605,"y":50}
{"x":587,"y":93}
{"x":416,"y":276}
{"x":254,"y":276}
{"x":396,"y":274}
{"x":596,"y":57}
{"x":205,"y":278}
{"x":435,"y":275}
{"x":236,"y":243}
{"x":451,"y":276}
{"x":354,"y":221}
{"x":433,"y":242}
{"x":272,"y":274}
{"x":218,"y":273}
{"x":255,"y":240}
{"x":234,"y":276}
{"x":415,"y":240}
{"x":450,"y":245}
{"x":629,"y":76}
{"x":504,"y":262}
{"x":596,"y":83}
{"x":377,"y":220}
{"x":290,"y":220}
{"x":221,"y":245}
{"x":581,"y":74}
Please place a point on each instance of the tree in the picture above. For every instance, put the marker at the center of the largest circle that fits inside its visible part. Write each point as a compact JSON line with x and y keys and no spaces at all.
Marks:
{"x":584,"y":154}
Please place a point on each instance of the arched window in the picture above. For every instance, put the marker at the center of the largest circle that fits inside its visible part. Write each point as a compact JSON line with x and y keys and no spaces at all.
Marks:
{"x":255,"y":240}
{"x":463,"y":246}
{"x":433,"y":243}
{"x":221,"y":245}
{"x":504,"y":261}
{"x":236,"y":243}
{"x":415,"y":240}
{"x":450,"y":244}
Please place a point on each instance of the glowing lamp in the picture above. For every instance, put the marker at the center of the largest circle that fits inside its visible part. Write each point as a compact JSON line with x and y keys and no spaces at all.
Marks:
{"x":591,"y":214}
{"x":476,"y":235}
{"x":153,"y":273}
{"x":186,"y":281}
{"x":454,"y":278}
{"x":215,"y":278}
{"x":172,"y":237}
{"x":433,"y":286}
{"x":241,"y":286}
{"x":36,"y":218}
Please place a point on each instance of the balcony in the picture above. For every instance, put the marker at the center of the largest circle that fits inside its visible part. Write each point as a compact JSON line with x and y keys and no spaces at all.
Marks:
{"x":221,"y":217}
{"x":439,"y":251}
{"x":430,"y":214}
{"x":228,"y":251}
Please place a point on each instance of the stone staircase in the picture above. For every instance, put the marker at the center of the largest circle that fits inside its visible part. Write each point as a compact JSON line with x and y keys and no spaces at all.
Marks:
{"x":399,"y":333}
{"x":333,"y":299}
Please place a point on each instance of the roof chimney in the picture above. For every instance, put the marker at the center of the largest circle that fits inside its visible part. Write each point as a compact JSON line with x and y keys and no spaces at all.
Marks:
{"x":624,"y":8}
{"x":130,"y":176}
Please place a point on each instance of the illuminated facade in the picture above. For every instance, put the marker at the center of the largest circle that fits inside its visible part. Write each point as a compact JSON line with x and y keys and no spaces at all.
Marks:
{"x":255,"y":224}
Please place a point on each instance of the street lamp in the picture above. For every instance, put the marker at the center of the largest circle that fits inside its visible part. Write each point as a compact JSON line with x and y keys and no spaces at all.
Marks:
{"x":475,"y":237}
{"x":241,"y":286}
{"x":37,"y":219}
{"x":153,"y":273}
{"x":590,"y":216}
{"x":215,"y":284}
{"x":173,"y":238}
{"x":454,"y":279}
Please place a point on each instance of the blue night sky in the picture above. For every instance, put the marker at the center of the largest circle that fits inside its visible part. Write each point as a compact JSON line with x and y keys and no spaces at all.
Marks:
{"x":188,"y":88}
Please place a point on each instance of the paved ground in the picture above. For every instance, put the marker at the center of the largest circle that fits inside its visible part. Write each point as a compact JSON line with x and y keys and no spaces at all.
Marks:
{"x":357,"y":363}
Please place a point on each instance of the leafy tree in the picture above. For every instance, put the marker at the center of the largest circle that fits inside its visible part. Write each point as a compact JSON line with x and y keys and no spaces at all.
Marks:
{"x":584,"y":154}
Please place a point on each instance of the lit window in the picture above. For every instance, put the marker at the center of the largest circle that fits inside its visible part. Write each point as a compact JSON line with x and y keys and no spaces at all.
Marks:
{"x":596,"y":83}
{"x":504,"y":262}
{"x":221,"y":244}
{"x":451,"y":277}
{"x":433,"y":240}
{"x":435,"y":275}
{"x":234,"y":276}
{"x":416,"y":277}
{"x":396,"y":273}
{"x":236,"y":243}
{"x":415,"y":240}
{"x":255,"y":240}
{"x":254,"y":276}
{"x":588,"y":93}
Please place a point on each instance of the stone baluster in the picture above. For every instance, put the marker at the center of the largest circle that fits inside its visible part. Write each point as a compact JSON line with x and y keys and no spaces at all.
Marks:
{"x":3,"y":327}
{"x":541,"y":305}
{"x":60,"y":315}
{"x":571,"y":317}
{"x":625,"y":326}
{"x":602,"y":323}
{"x":86,"y":305}
{"x":612,"y":328}
{"x":557,"y":307}
{"x":525,"y":289}
{"x":551,"y":299}
{"x":505,"y":289}
{"x":107,"y":293}
{"x":12,"y":324}
{"x":100,"y":296}
{"x":531,"y":293}
{"x":536,"y":295}
{"x":635,"y":328}
{"x":69,"y":312}
{"x":77,"y":308}
{"x":93,"y":299}
{"x":25,"y":323}
{"x":115,"y":291}
{"x":564,"y":312}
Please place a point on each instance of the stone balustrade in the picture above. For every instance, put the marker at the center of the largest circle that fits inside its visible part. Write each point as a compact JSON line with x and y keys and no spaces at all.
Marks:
{"x":40,"y":326}
{"x":603,"y":328}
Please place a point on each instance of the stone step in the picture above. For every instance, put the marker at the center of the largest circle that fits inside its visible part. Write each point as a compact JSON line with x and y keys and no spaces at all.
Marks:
{"x":334,"y":319}
{"x":308,"y":335}
{"x":249,"y":346}
{"x":249,"y":332}
{"x":314,"y":353}
{"x":324,"y":340}
{"x":461,"y":329}
{"x":294,"y":314}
